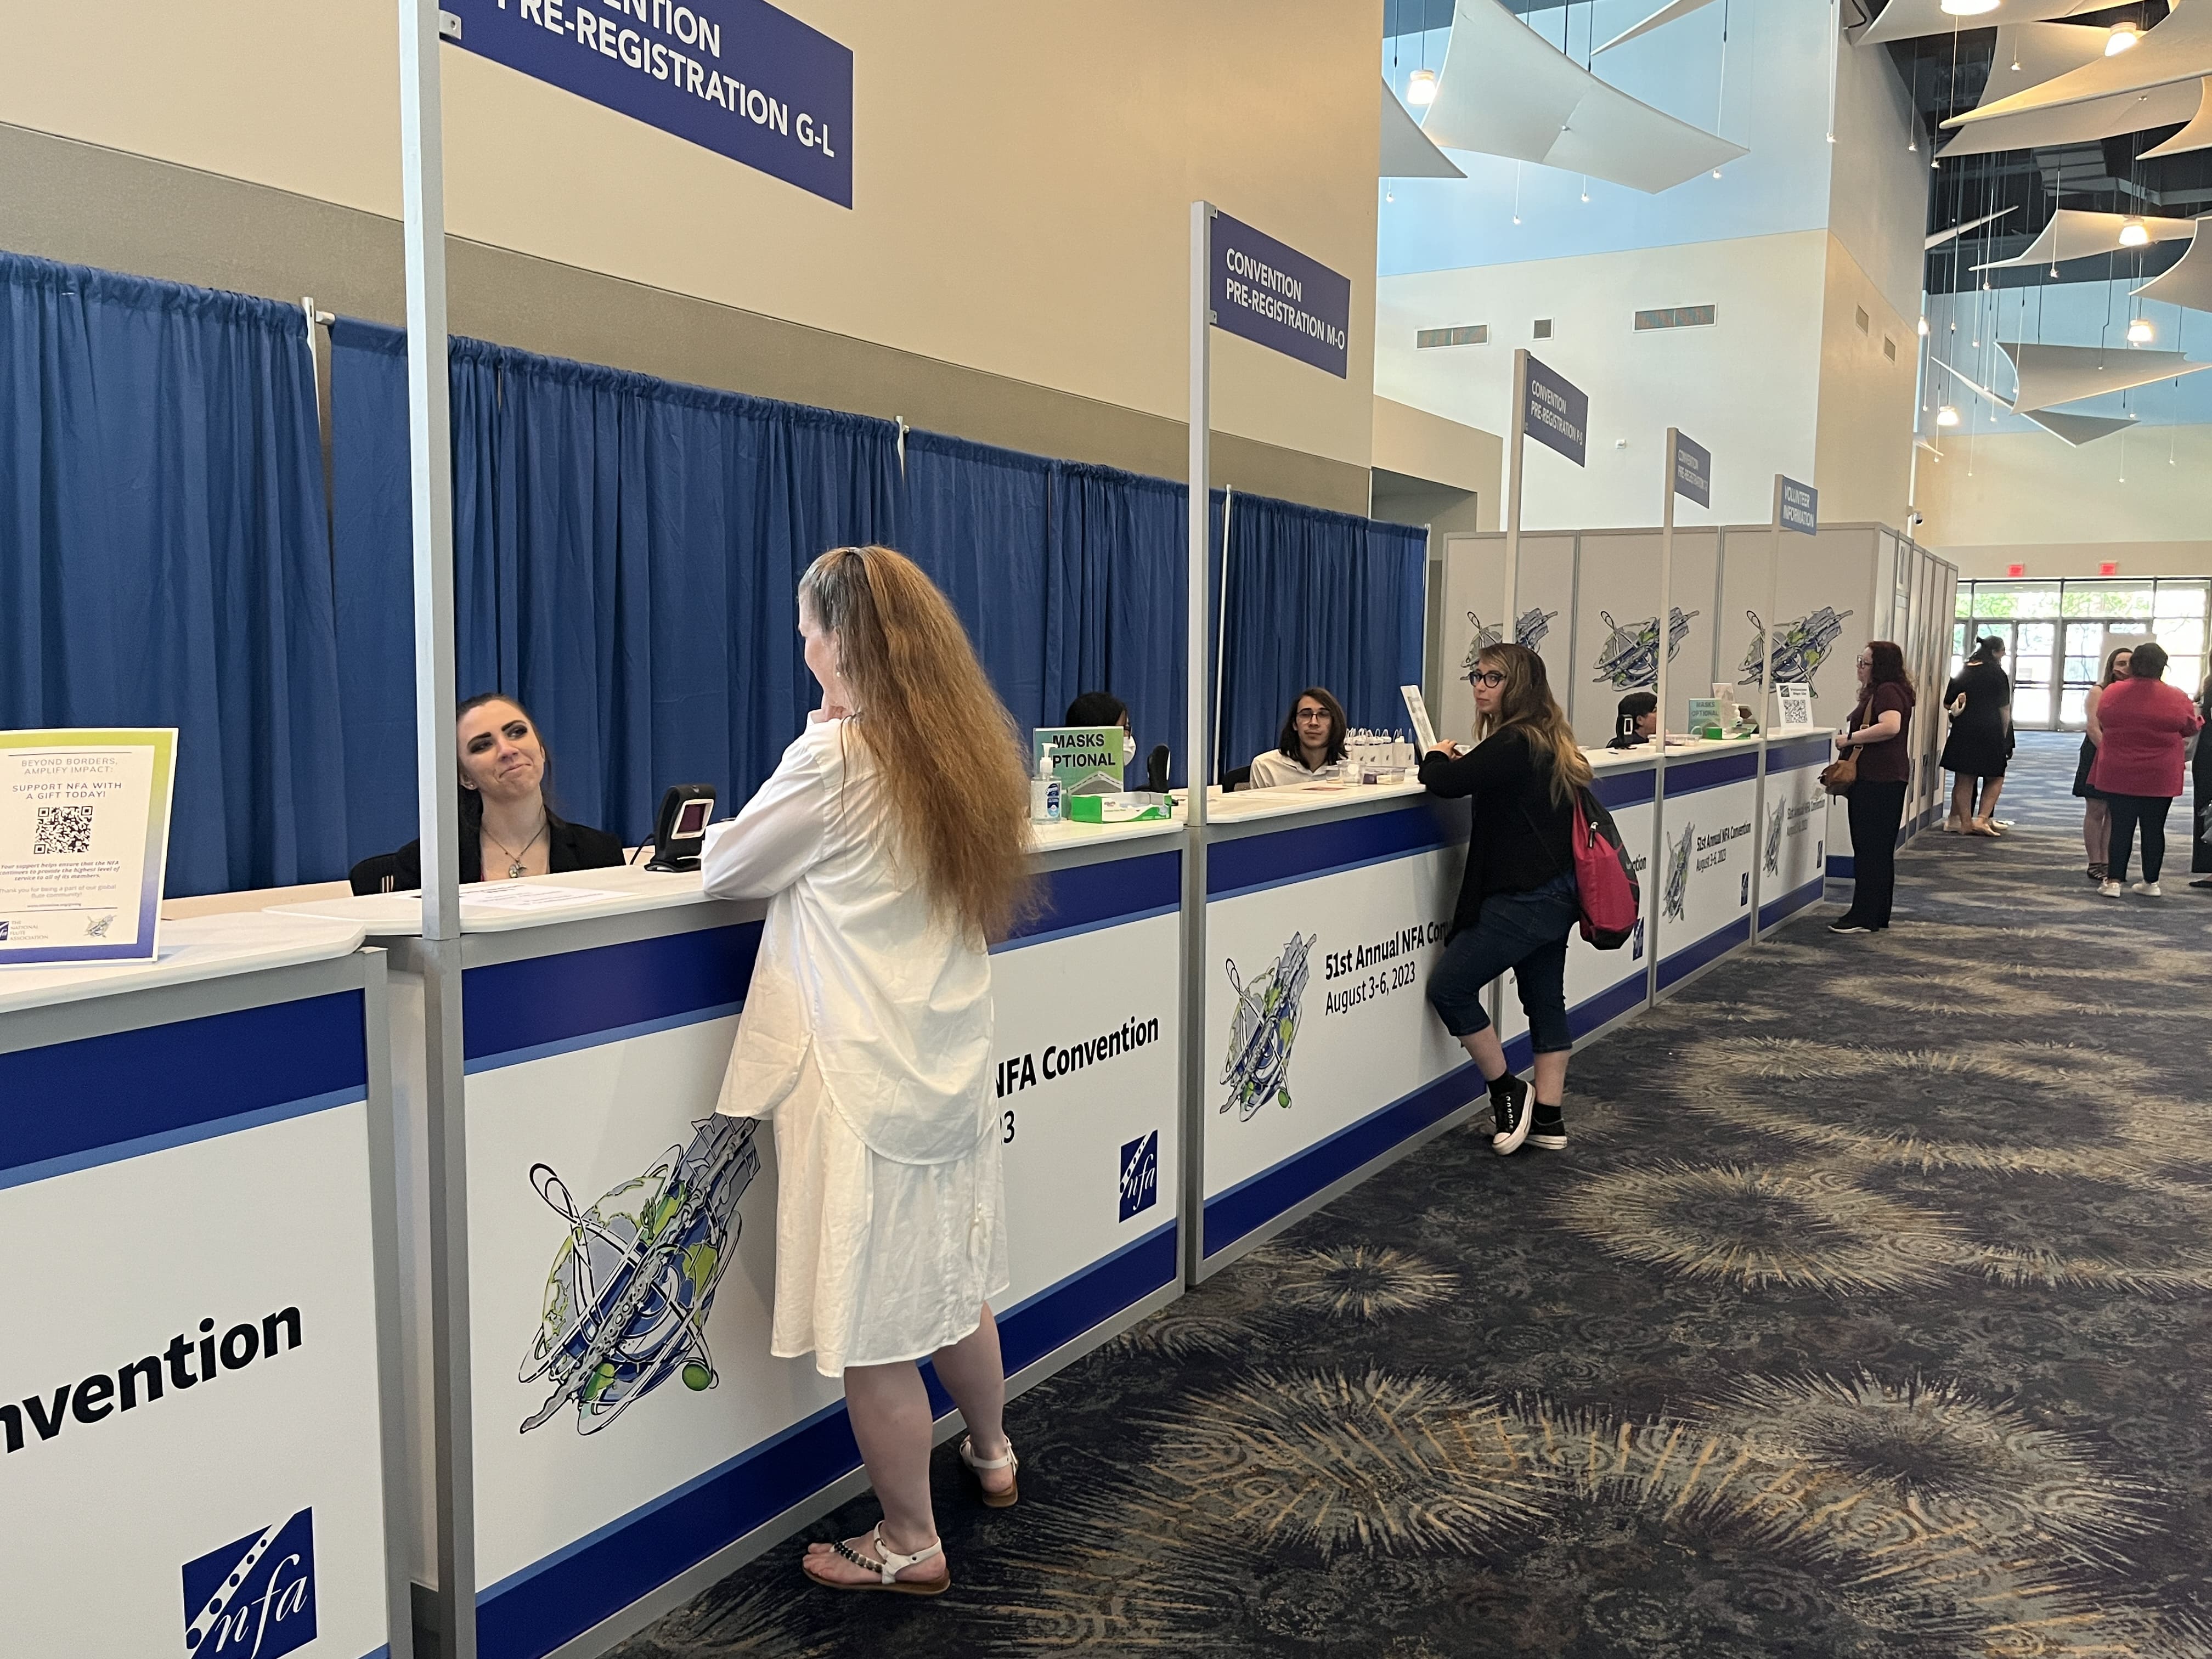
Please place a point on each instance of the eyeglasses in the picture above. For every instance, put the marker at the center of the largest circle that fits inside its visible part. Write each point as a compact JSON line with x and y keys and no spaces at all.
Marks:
{"x":1489,"y":677}
{"x":1313,"y":714}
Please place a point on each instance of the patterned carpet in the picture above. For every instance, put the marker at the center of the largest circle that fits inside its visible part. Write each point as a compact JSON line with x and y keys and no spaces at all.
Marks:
{"x":1868,"y":1313}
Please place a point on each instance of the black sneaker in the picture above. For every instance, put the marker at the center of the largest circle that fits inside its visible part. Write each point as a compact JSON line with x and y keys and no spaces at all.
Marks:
{"x":1547,"y":1128}
{"x":1509,"y":1099}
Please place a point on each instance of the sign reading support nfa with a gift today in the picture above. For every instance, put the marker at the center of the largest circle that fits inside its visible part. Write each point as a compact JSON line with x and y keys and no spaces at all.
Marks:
{"x":84,"y":841}
{"x":735,"y":76}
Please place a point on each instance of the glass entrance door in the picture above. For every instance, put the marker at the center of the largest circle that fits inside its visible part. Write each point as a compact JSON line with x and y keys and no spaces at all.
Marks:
{"x":2030,"y":652}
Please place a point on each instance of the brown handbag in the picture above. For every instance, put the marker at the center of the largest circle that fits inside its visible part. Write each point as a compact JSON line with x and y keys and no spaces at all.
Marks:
{"x":1838,"y":776}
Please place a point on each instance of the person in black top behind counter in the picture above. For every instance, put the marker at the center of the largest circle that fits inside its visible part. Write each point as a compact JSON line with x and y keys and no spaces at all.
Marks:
{"x":506,"y":822}
{"x":1517,"y":900}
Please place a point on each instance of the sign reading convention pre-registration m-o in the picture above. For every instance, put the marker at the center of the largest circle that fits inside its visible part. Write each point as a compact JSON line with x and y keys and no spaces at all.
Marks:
{"x":1275,"y":296}
{"x":735,"y":76}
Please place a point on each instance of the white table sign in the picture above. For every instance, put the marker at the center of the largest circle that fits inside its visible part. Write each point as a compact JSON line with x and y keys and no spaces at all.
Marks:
{"x":84,"y":844}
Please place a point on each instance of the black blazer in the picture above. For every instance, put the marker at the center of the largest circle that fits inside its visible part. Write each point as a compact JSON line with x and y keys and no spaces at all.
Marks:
{"x":569,"y":846}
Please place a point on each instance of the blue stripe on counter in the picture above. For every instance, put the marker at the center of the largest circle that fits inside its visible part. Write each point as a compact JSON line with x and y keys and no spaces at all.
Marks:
{"x":1688,"y":777}
{"x":1625,"y":997}
{"x":534,"y":1612}
{"x":1793,"y":754}
{"x":1615,"y":790}
{"x":1711,"y":948}
{"x":544,"y":1001}
{"x":1790,"y":903}
{"x":1260,"y":1199}
{"x":1272,"y":858}
{"x":1092,"y":896}
{"x":65,"y":1100}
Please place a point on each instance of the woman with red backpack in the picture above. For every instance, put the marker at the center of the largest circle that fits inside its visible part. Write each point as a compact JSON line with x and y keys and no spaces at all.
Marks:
{"x":1518,"y":900}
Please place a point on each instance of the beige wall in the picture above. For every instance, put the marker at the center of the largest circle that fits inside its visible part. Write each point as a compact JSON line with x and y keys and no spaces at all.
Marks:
{"x":1022,"y":176}
{"x":1862,"y":463}
{"x":2028,"y":498}
{"x":1419,"y":445}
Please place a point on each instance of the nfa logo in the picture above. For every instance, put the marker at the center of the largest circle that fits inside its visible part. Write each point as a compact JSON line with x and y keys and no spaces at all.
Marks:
{"x":1533,"y":625}
{"x":1630,"y":656}
{"x":255,"y":1597}
{"x":1800,"y":647}
{"x":1140,"y":1173}
{"x":1774,"y":840}
{"x":1258,"y":1067}
{"x":627,"y":1300}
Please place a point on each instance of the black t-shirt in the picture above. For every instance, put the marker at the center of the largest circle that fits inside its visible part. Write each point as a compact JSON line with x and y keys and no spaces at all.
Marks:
{"x":569,"y":846}
{"x":1522,"y":838}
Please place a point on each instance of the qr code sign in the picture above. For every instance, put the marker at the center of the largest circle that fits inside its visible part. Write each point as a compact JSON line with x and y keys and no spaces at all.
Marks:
{"x":62,"y":829}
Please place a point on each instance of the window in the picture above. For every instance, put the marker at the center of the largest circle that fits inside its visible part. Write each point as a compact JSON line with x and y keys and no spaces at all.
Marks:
{"x":1542,"y":329}
{"x":1470,"y":334}
{"x":1676,"y":317}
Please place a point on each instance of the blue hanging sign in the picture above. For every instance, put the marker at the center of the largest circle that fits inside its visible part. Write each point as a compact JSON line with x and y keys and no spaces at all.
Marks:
{"x":1801,"y":506}
{"x":1694,"y":471}
{"x":1274,"y":297}
{"x":1556,"y":412}
{"x":735,"y":76}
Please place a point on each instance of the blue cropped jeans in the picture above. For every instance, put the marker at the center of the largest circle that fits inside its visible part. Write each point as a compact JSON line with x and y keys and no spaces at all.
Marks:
{"x":1527,"y":934}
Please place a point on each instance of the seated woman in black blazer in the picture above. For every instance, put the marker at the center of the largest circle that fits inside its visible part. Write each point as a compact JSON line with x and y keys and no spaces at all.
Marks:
{"x":506,"y":828}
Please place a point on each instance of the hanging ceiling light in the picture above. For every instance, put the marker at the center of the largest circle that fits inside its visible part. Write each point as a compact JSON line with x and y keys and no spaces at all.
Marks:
{"x":2123,"y":35}
{"x":2133,"y":232}
{"x":2140,"y":332}
{"x":1421,"y":87}
{"x":1947,"y":415}
{"x":1923,"y":328}
{"x":1968,"y":8}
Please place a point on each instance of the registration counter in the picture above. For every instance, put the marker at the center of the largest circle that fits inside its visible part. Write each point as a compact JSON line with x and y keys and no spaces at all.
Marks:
{"x":203,"y":1388}
{"x":626,"y":1432}
{"x":1326,"y":906}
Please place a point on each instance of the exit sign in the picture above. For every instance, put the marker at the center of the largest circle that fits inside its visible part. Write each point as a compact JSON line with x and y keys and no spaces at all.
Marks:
{"x":2109,"y":568}
{"x":2015,"y":570}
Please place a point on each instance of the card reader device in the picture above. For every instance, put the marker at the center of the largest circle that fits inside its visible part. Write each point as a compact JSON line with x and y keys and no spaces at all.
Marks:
{"x":680,"y":829}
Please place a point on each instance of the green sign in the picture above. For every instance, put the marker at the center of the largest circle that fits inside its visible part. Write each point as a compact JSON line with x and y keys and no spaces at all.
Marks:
{"x":1087,"y":759}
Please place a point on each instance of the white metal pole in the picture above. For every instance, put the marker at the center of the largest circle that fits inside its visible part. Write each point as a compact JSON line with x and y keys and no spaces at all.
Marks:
{"x":1659,"y":691}
{"x":1759,"y":894}
{"x":1221,"y":626}
{"x":1198,"y":765}
{"x":430,"y":488}
{"x":1773,"y":603}
{"x":1515,"y":444}
{"x":1666,"y":579}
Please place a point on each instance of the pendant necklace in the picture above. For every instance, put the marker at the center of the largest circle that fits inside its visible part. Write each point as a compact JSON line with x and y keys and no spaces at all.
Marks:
{"x":515,"y":870}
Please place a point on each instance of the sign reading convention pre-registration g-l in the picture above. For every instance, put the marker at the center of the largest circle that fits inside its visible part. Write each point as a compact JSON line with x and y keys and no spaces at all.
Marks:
{"x":735,"y":76}
{"x":1275,"y":296}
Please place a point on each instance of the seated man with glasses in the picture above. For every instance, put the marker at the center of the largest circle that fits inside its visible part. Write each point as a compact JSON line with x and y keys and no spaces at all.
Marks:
{"x":1312,"y":742}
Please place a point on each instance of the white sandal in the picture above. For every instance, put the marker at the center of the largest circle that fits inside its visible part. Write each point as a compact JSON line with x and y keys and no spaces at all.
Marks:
{"x":890,"y":1564}
{"x":997,"y":1500}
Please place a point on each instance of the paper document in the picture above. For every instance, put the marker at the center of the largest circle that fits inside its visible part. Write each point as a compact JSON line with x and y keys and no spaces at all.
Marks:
{"x":1417,"y":709}
{"x":84,"y":841}
{"x":529,"y":895}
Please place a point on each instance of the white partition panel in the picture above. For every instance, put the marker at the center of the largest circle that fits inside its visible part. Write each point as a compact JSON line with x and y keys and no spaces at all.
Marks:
{"x":1474,"y":596}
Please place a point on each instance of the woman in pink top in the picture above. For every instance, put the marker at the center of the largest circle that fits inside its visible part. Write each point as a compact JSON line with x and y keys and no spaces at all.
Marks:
{"x":2144,"y":723}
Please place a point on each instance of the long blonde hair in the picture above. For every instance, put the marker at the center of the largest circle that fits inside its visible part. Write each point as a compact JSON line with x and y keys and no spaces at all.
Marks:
{"x":949,"y":752}
{"x":1525,"y":702}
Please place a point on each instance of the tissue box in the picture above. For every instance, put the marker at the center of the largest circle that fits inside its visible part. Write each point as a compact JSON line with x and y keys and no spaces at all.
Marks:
{"x":1131,"y":807}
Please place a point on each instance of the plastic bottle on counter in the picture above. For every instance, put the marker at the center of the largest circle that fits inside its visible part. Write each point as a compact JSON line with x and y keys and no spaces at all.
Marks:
{"x":1044,"y":790}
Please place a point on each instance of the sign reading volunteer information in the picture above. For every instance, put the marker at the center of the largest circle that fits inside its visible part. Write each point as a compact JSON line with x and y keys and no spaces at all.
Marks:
{"x":1694,"y":471}
{"x":1273,"y":296}
{"x":1557,"y":414}
{"x":735,"y":76}
{"x":84,"y":842}
{"x":1801,"y":506}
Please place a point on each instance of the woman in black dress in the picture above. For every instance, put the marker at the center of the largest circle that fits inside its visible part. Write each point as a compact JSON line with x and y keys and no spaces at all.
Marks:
{"x":1980,"y":698}
{"x":2096,"y":815}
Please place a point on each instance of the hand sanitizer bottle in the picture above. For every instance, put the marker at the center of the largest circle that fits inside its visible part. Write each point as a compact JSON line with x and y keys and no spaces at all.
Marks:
{"x":1044,"y":791}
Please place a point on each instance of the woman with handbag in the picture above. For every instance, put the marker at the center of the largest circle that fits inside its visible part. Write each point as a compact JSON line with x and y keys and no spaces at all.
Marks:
{"x":1876,"y":752}
{"x":1517,"y":899}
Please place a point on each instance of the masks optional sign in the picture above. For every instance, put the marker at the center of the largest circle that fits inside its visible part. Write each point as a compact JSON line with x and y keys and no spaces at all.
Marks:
{"x":1275,"y":296}
{"x":735,"y":76}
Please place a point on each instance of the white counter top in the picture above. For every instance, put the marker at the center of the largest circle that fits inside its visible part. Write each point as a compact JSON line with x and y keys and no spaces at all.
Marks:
{"x":1248,"y":804}
{"x":197,"y":948}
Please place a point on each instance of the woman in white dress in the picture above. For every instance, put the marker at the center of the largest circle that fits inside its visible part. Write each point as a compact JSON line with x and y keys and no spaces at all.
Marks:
{"x":891,"y":844}
{"x":1312,"y":741}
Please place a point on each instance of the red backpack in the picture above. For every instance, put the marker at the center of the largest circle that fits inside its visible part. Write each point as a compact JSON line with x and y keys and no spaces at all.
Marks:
{"x":1606,"y":890}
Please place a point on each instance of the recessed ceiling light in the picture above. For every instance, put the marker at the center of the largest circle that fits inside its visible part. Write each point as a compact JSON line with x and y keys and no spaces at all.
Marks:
{"x":1421,"y":87}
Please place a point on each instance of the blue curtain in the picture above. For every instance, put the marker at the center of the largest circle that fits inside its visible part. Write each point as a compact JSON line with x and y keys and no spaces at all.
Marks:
{"x":165,"y":556}
{"x":1315,"y":598}
{"x":980,"y":520}
{"x":627,"y":553}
